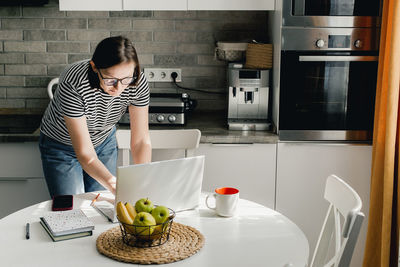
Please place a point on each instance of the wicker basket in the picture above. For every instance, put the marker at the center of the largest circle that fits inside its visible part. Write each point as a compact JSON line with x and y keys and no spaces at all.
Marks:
{"x":259,"y":56}
{"x":226,"y":51}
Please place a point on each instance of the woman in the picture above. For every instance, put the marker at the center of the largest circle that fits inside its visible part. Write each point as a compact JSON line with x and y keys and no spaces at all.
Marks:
{"x":77,"y":135}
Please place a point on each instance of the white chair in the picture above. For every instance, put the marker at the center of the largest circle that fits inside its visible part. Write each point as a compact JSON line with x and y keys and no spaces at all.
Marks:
{"x":53,"y":82}
{"x":345,"y":204}
{"x":182,"y":141}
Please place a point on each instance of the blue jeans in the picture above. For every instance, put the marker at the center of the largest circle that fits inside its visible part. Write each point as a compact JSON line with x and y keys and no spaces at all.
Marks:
{"x":62,"y":170}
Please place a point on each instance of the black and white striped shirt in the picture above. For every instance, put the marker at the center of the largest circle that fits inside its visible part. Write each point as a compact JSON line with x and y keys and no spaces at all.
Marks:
{"x":79,"y":94}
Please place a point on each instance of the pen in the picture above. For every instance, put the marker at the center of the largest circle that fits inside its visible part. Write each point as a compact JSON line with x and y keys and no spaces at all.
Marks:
{"x":94,"y":200}
{"x":27,"y":231}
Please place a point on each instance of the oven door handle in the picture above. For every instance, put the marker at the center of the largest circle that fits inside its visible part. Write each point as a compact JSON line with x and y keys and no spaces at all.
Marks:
{"x":338,"y":58}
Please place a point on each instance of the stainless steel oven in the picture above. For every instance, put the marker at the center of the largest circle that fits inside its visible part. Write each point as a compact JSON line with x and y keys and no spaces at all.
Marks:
{"x":331,"y":13}
{"x":328,"y":83}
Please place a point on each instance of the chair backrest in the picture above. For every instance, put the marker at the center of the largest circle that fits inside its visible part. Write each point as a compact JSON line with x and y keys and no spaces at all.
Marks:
{"x":345,"y":203}
{"x":186,"y":140}
{"x":50,"y":87}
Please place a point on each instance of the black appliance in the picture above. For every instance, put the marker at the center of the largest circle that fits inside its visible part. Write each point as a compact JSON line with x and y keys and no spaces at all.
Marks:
{"x":167,"y":109}
{"x":331,"y":13}
{"x":328,"y":83}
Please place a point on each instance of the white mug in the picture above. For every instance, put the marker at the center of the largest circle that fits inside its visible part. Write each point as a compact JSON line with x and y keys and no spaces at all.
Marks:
{"x":226,"y":199}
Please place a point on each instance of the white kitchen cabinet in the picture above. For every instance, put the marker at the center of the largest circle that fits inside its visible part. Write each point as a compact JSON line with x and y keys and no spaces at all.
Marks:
{"x":231,"y":5}
{"x":119,"y":5}
{"x":22,"y":181}
{"x":20,"y":160}
{"x":90,"y":5}
{"x":302,"y":169}
{"x":248,"y":167}
{"x":19,"y":193}
{"x":155,"y":5}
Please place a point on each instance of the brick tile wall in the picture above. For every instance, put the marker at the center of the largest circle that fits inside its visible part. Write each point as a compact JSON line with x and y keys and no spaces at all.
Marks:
{"x":37,"y":43}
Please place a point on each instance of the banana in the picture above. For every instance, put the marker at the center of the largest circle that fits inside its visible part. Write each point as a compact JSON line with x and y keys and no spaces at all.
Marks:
{"x":124,"y":217}
{"x":131,"y":210}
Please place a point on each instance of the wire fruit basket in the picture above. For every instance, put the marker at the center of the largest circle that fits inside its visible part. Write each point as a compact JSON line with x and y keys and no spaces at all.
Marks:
{"x":147,"y":236}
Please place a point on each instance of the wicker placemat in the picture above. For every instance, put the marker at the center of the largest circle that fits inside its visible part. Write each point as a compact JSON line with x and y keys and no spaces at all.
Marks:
{"x":183,"y":242}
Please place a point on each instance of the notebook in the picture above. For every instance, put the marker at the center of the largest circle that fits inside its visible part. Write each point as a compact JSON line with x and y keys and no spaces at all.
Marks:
{"x":65,"y":237}
{"x":66,"y":222}
{"x":175,"y":184}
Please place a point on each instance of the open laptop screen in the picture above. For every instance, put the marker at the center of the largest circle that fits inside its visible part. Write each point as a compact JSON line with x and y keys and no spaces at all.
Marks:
{"x":175,"y":184}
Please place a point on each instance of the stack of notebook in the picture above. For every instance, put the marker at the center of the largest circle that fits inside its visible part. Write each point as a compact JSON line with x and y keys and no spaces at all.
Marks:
{"x":63,"y":225}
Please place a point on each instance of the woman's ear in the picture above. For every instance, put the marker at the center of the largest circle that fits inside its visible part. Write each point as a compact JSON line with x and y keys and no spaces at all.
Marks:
{"x":93,"y":66}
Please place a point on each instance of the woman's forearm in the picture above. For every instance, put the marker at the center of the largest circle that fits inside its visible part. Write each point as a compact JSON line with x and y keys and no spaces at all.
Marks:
{"x":86,"y":154}
{"x":141,"y":152}
{"x":140,"y":138}
{"x":96,"y":169}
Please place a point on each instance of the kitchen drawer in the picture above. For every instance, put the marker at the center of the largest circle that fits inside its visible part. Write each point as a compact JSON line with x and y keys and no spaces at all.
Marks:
{"x":20,"y":160}
{"x":18,"y":193}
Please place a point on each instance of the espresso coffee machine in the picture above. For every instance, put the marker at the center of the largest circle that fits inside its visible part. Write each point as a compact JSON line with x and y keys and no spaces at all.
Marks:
{"x":248,"y":98}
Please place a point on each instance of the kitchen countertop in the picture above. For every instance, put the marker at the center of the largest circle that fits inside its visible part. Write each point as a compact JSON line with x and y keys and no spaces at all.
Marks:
{"x":19,"y":127}
{"x":213,"y":126}
{"x":214,"y":129}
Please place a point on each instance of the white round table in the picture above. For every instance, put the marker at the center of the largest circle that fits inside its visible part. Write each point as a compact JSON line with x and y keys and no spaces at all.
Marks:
{"x":256,"y":236}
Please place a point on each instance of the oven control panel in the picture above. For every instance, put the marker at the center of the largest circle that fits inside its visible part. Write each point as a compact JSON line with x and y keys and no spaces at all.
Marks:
{"x":338,"y":39}
{"x":167,"y":118}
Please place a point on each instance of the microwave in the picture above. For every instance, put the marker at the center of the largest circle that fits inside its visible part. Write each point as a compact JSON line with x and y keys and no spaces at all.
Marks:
{"x":331,"y":13}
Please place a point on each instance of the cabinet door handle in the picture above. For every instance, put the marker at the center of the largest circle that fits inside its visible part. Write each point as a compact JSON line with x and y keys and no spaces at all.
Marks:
{"x":338,"y":58}
{"x":18,"y":179}
{"x":232,"y":145}
{"x":13,"y":179}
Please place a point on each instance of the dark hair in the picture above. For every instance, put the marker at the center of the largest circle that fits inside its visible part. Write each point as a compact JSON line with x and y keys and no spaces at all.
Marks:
{"x":115,"y":50}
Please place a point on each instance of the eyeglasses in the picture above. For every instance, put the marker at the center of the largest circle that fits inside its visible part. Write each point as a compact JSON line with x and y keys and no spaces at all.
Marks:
{"x":114,"y":81}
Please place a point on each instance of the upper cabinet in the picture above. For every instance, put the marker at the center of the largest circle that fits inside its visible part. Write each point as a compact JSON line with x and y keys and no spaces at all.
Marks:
{"x":90,"y":5}
{"x":231,"y":5}
{"x":119,"y":5}
{"x":155,"y":5}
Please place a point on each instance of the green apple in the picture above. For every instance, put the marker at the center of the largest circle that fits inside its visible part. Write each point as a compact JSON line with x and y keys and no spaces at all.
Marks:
{"x":144,"y":204}
{"x":144,"y":224}
{"x":160,"y":213}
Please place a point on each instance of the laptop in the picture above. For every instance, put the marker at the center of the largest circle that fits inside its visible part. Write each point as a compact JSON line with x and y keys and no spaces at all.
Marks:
{"x":175,"y":184}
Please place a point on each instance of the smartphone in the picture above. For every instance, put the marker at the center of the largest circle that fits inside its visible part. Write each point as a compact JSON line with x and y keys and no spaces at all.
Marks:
{"x":62,"y":202}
